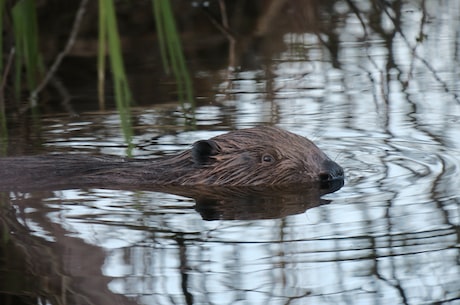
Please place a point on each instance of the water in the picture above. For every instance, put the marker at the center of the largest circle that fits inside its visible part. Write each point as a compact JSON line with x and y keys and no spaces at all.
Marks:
{"x":385,"y":107}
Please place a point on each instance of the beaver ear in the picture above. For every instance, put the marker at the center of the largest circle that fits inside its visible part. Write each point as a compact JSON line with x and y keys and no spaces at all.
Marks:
{"x":203,"y":150}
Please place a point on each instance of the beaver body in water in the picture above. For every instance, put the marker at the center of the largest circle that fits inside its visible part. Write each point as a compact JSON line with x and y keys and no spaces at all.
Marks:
{"x":260,"y":156}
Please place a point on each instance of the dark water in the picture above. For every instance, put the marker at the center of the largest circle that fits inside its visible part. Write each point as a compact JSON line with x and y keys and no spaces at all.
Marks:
{"x":376,"y":88}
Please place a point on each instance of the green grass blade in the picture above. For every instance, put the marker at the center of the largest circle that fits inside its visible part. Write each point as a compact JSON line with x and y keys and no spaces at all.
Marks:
{"x":157,"y":4}
{"x":26,"y":42}
{"x":18,"y":59}
{"x":3,"y":133}
{"x":171,"y":49}
{"x":26,"y":34}
{"x":2,"y":12}
{"x":102,"y":50}
{"x":123,"y":97}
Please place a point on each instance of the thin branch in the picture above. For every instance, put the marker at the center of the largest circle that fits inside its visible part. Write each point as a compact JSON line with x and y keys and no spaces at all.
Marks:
{"x":220,"y":26}
{"x":60,"y":57}
{"x":65,"y":102}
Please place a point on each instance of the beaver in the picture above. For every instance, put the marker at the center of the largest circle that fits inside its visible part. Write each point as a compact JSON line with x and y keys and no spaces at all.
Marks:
{"x":259,"y":156}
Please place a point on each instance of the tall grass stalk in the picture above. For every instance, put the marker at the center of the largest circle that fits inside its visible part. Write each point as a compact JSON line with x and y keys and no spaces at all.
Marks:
{"x":26,"y":39}
{"x":161,"y":34}
{"x":171,"y":50}
{"x":3,"y":133}
{"x":3,"y":130}
{"x":102,"y":50}
{"x":2,"y":12}
{"x":108,"y":34}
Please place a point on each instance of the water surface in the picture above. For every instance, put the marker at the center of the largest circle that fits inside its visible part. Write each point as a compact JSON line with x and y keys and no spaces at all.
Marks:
{"x":376,"y":89}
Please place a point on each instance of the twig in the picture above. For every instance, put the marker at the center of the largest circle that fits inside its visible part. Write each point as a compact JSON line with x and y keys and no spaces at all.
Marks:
{"x":221,"y":27}
{"x":65,"y":102}
{"x":60,"y":57}
{"x":223,"y":12}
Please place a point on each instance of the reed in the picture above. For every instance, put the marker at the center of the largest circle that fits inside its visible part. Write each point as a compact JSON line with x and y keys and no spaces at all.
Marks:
{"x":3,"y":129}
{"x":26,"y":43}
{"x":3,"y":133}
{"x":109,"y":37}
{"x":2,"y":13}
{"x":171,"y":51}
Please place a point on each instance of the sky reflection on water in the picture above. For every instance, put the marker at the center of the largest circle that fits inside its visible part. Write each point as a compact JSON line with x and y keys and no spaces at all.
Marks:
{"x":386,"y":109}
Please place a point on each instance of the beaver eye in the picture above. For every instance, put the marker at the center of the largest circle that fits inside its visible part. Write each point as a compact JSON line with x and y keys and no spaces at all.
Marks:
{"x":267,"y":158}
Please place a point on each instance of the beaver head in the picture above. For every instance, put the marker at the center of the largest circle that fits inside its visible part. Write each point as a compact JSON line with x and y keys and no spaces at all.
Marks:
{"x":260,"y":156}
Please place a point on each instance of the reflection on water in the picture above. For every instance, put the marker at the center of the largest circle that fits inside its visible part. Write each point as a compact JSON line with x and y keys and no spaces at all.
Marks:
{"x":378,"y":93}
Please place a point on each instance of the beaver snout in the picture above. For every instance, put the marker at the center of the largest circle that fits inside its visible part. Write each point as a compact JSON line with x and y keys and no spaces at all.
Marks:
{"x":330,"y":171}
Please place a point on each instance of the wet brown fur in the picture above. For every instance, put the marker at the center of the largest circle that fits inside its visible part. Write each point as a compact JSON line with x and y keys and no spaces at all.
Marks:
{"x":264,"y":156}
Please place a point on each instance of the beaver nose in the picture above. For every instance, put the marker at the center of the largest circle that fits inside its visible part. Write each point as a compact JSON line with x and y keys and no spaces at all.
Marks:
{"x":330,"y":171}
